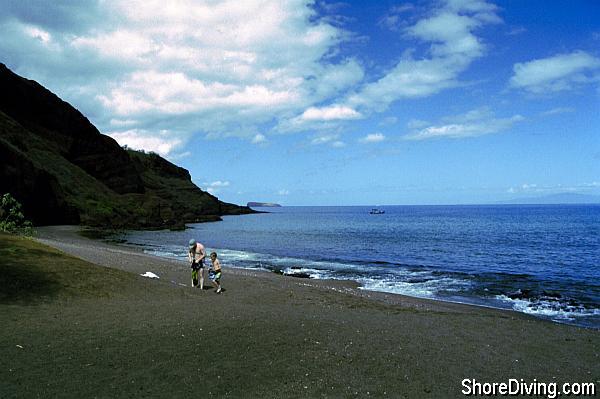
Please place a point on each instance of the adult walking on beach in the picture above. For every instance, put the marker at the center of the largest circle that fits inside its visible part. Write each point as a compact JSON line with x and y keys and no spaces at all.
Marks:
{"x":196,"y":255}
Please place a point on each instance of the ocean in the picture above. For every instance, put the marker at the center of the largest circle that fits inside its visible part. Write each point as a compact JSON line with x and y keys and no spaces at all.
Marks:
{"x":543,"y":260}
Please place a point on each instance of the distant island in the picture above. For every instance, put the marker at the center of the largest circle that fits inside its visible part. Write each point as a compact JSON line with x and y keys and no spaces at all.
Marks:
{"x":263,"y":204}
{"x":561,"y":198}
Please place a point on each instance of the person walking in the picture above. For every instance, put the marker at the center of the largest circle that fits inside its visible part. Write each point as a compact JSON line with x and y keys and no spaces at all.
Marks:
{"x":196,"y":255}
{"x":215,"y":272}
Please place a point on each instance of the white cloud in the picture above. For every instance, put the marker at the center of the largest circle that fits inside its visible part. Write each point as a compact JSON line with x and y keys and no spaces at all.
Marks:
{"x":215,"y":68}
{"x":516,"y":31}
{"x":372,"y":138}
{"x":334,"y":112}
{"x":332,"y":140}
{"x":393,"y":19}
{"x":477,"y":122}
{"x":325,"y":139}
{"x":216,"y":186}
{"x":558,"y":73}
{"x":319,"y":118}
{"x":259,"y":139}
{"x":558,"y":110}
{"x":207,"y":68}
{"x":38,"y":34}
{"x":283,"y":192}
{"x":142,"y":140}
{"x":586,"y":187}
{"x":453,"y":47}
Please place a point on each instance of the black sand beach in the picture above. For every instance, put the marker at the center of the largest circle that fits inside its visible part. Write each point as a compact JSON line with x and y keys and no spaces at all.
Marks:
{"x":74,"y":329}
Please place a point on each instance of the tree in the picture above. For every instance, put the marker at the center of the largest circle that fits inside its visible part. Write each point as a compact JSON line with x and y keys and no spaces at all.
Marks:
{"x":12,"y":219}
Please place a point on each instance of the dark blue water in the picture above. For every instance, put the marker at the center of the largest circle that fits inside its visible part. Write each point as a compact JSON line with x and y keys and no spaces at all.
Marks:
{"x":541,"y":260}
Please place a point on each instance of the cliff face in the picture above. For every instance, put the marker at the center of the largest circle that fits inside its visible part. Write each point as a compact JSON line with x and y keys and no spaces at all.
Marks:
{"x":63,"y":170}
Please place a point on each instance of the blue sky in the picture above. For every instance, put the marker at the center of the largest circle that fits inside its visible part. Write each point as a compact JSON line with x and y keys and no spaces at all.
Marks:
{"x":333,"y":103}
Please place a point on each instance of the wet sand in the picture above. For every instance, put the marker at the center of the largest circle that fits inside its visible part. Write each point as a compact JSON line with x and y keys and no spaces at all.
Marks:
{"x":265,"y":336}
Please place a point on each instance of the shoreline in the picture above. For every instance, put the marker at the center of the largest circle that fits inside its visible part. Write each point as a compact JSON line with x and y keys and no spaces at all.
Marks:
{"x":59,"y":234}
{"x":69,"y":239}
{"x":357,"y":289}
{"x":91,"y":326}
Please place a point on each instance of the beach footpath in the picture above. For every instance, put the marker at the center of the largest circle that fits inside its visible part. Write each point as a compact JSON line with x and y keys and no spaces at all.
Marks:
{"x":79,"y":320}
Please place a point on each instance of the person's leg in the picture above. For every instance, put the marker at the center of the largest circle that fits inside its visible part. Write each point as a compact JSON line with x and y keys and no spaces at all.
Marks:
{"x":194,"y":278}
{"x":218,"y":282}
{"x":202,"y":278}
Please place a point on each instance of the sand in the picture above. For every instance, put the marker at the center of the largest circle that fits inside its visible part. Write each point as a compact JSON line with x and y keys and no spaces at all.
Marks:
{"x":265,"y":336}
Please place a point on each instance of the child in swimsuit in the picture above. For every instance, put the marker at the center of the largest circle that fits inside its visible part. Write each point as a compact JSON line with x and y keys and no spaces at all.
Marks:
{"x":215,"y":272}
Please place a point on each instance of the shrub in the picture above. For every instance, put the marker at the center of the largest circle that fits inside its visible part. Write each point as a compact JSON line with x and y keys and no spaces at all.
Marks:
{"x":12,"y":219}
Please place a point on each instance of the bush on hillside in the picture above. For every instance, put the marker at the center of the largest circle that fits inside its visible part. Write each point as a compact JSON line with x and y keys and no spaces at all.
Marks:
{"x":12,"y":219}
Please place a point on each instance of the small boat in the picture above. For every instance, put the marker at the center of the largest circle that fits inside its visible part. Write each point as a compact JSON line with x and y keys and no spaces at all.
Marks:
{"x":376,"y":211}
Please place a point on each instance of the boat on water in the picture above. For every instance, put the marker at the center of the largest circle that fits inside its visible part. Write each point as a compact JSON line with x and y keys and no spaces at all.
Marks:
{"x":376,"y":211}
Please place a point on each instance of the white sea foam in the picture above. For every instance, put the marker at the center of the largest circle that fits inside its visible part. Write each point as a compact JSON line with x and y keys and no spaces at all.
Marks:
{"x":161,"y":253}
{"x":395,"y":287}
{"x":382,"y":278}
{"x":312,"y":273}
{"x":555,"y":310}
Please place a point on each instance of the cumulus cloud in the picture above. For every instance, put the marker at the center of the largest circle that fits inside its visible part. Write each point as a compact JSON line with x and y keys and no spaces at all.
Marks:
{"x":319,"y":118}
{"x":334,"y":112}
{"x":139,"y":140}
{"x":453,"y":47}
{"x":557,"y":73}
{"x":558,"y":111}
{"x":216,"y":186}
{"x":283,"y":192}
{"x":328,"y":139}
{"x":477,"y":122}
{"x":372,"y":138}
{"x":203,"y":66}
{"x":206,"y":68}
{"x":259,"y":139}
{"x":392,"y":20}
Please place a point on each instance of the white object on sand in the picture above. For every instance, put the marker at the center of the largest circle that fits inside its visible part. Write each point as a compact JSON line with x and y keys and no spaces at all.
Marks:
{"x":149,"y":275}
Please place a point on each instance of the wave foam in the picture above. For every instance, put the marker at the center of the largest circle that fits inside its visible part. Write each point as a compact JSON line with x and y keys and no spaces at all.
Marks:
{"x":553,"y":309}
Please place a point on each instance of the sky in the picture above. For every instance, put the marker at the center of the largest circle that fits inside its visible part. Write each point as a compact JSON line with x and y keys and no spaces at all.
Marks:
{"x":332,"y":103}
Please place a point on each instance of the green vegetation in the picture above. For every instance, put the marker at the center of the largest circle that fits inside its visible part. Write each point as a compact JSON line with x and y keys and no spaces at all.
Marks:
{"x":34,"y":273}
{"x":12,"y":219}
{"x":169,"y":198}
{"x":64,"y":171}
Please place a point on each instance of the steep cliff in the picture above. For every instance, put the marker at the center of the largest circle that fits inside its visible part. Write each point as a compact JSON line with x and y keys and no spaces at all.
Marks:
{"x":63,"y":170}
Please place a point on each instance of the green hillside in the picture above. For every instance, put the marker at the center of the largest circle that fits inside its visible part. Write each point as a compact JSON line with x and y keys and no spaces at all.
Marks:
{"x":64,"y":171}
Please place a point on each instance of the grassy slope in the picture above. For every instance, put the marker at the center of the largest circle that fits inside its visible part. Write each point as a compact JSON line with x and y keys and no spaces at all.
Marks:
{"x":168,"y":198}
{"x":83,"y":191}
{"x":166,"y":184}
{"x":89,"y":331}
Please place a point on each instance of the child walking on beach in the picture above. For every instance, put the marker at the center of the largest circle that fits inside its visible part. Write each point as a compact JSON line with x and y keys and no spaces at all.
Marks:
{"x":215,"y":272}
{"x":196,"y":255}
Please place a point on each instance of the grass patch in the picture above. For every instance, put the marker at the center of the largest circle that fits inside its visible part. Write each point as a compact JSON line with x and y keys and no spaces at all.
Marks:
{"x":32,"y":272}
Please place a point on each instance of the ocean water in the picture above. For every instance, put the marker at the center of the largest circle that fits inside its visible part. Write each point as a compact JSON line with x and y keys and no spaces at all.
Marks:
{"x":540,"y":260}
